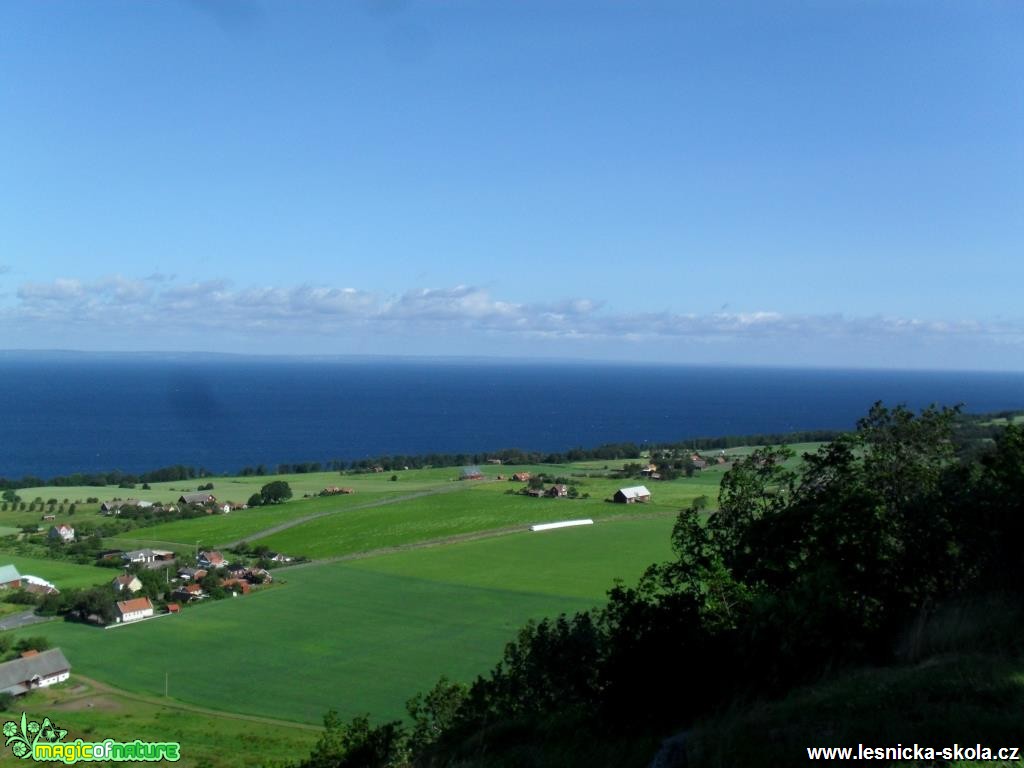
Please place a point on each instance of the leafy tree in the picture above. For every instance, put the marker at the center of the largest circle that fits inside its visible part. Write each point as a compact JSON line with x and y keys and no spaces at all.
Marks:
{"x":357,"y":744}
{"x":32,"y":644}
{"x":275,"y":492}
{"x":434,"y":712}
{"x":255,"y":500}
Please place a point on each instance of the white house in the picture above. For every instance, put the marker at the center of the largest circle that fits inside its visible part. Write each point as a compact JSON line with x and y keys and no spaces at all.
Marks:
{"x":134,"y":610}
{"x":127,"y":581}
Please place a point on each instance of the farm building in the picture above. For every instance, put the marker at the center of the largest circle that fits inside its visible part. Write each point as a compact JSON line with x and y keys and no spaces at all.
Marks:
{"x":471,"y":473}
{"x":151,"y":558}
{"x":334,"y":490}
{"x":114,"y":507}
{"x":9,"y":577}
{"x":212,"y":559}
{"x":521,"y":477}
{"x":236,"y":586}
{"x":558,"y":491}
{"x":188,"y":593}
{"x":34,"y":670}
{"x":632,"y":495}
{"x":197,"y":498}
{"x":127,"y":581}
{"x":63,"y":532}
{"x":38,"y":586}
{"x":134,"y":610}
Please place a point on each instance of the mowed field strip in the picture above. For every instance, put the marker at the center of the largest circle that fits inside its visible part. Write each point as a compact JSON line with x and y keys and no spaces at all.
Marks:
{"x":364,"y":636}
{"x":421,"y":505}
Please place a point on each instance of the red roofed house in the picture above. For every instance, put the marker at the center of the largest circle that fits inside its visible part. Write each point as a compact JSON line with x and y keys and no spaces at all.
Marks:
{"x":134,"y":610}
{"x":212,"y":559}
{"x":235,"y":586}
{"x":188,"y":593}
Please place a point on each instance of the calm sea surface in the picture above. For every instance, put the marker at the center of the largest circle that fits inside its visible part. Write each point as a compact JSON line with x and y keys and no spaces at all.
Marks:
{"x":58,"y":417}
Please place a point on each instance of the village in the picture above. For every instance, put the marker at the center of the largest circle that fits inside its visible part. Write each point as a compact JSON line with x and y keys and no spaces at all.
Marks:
{"x":150,"y":583}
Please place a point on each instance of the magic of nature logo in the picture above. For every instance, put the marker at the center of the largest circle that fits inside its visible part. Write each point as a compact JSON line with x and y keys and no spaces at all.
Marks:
{"x":44,"y":742}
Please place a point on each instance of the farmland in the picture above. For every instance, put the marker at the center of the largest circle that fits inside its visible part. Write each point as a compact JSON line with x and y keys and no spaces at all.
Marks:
{"x":61,"y":572}
{"x":364,"y":636}
{"x":411,"y":578}
{"x":93,"y":711}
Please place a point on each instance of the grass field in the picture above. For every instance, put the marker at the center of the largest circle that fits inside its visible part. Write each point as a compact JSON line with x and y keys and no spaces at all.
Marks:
{"x":363,"y":636}
{"x":64,"y":574}
{"x":239,"y":489}
{"x":93,"y":712}
{"x":214,"y":530}
{"x":479,"y":507}
{"x":573,"y":562}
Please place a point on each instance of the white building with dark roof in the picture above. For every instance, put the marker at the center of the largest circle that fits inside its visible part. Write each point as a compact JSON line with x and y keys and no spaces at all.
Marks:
{"x":34,"y":670}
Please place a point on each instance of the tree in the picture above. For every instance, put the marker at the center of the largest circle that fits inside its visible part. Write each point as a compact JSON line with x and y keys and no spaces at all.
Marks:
{"x":357,"y":744}
{"x":10,"y":496}
{"x":434,"y":712}
{"x":32,"y":644}
{"x":275,"y":492}
{"x":255,"y":500}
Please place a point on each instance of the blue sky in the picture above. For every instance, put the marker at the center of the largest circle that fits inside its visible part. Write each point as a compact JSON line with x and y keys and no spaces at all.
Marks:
{"x":798,"y":183}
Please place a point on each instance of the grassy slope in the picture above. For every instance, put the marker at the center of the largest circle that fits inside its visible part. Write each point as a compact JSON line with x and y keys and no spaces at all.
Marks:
{"x":956,"y":699}
{"x":92,"y":712}
{"x":364,"y":636}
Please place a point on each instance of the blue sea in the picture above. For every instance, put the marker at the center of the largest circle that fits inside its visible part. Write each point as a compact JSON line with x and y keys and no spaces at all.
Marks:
{"x":84,"y":413}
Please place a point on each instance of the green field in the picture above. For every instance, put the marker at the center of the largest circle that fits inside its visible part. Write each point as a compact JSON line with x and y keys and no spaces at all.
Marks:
{"x":214,"y":530}
{"x":239,"y":489}
{"x":61,"y":573}
{"x":480,"y":507}
{"x":363,"y":636}
{"x":574,"y":562}
{"x":93,"y":712}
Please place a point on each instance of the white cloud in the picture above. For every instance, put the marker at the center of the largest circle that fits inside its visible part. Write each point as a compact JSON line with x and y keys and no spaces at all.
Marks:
{"x":160,"y":308}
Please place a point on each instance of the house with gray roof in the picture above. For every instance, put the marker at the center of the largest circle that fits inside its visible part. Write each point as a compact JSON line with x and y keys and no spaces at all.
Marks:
{"x":197,"y":498}
{"x":632,"y":495}
{"x":34,"y":670}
